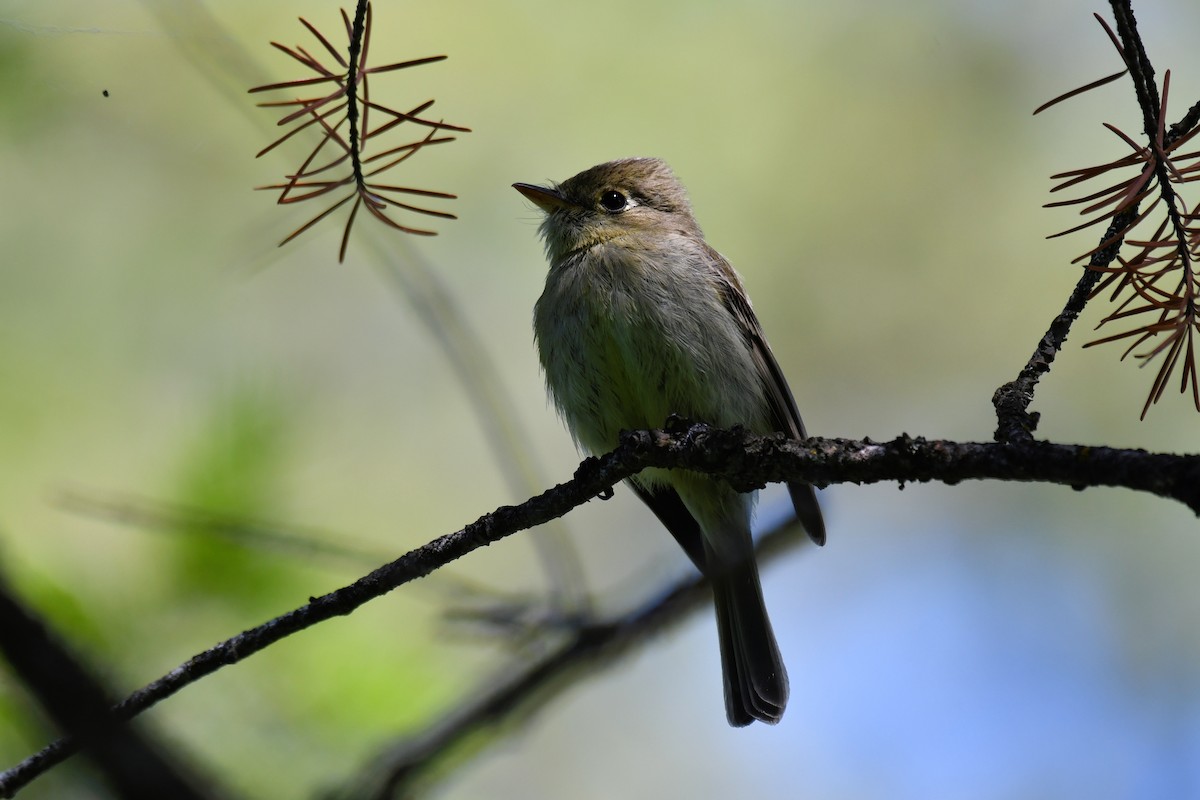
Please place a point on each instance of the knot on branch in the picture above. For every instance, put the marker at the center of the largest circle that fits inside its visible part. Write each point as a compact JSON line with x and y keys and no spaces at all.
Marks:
{"x":1014,"y":423}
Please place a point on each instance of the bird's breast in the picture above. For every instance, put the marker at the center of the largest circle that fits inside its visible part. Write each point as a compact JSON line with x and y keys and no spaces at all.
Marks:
{"x":629,"y":337}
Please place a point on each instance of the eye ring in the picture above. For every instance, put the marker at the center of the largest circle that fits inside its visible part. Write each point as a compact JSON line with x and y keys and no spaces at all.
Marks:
{"x":613,"y":201}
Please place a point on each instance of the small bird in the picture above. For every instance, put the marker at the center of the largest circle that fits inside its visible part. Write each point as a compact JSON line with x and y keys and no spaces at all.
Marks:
{"x":640,"y":320}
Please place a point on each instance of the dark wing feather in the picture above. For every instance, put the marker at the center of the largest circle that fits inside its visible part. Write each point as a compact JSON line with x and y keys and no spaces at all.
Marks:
{"x":785,"y":417}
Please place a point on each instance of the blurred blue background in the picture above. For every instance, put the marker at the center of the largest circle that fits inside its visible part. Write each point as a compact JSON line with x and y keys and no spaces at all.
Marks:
{"x":873,"y":171}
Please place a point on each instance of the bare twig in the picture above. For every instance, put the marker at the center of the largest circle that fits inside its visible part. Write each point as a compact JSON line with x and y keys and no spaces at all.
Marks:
{"x":148,"y":513}
{"x":1015,"y":423}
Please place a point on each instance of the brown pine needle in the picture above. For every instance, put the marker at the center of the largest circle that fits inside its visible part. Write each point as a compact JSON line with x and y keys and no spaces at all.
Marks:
{"x":344,"y":117}
{"x":1076,"y":92}
{"x":349,"y":225}
{"x":416,"y":62}
{"x":315,"y":220}
{"x":1117,"y":187}
{"x":329,"y":48}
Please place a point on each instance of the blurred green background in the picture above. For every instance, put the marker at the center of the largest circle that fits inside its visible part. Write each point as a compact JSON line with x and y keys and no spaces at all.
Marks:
{"x":873,"y":171}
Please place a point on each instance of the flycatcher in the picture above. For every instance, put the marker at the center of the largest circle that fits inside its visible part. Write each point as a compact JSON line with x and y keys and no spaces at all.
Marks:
{"x":641,"y":319}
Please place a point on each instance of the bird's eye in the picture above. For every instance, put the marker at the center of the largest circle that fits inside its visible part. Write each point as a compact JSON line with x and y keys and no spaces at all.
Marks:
{"x":613,"y":201}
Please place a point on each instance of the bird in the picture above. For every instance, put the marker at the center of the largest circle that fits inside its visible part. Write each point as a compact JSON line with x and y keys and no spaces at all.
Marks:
{"x":641,"y":320}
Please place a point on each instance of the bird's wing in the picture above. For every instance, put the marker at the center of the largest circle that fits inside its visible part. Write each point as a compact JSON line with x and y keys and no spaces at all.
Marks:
{"x":785,"y":416}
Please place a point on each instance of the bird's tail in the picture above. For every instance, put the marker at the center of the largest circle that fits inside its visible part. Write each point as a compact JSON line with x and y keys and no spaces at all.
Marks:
{"x":756,"y":682}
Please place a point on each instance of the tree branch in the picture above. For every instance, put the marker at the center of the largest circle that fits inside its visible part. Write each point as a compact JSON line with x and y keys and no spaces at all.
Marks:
{"x":1014,"y":421}
{"x":745,"y":460}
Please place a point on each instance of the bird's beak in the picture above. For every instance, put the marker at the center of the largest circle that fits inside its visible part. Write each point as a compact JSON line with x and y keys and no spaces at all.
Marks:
{"x":547,"y":200}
